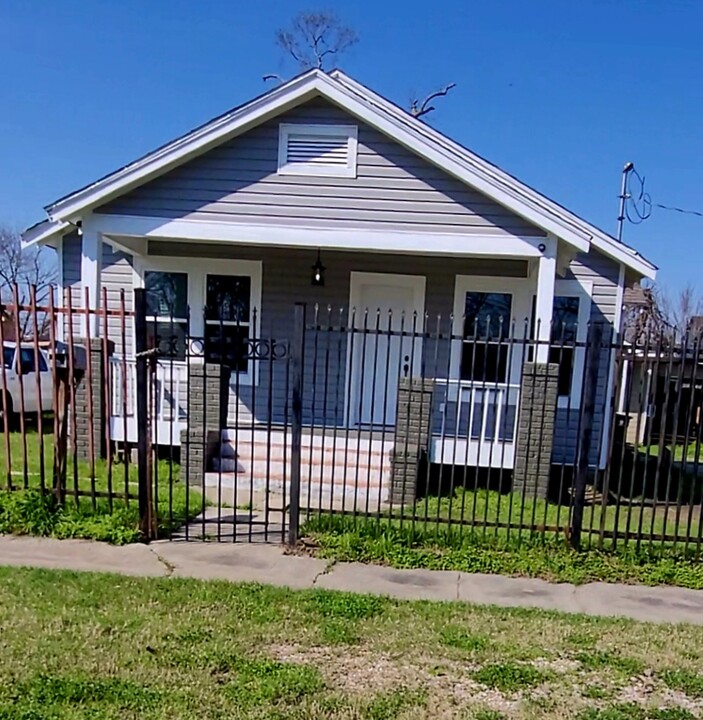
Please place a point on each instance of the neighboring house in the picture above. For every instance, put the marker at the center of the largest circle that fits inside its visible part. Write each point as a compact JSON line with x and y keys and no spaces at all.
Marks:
{"x":401,"y":216}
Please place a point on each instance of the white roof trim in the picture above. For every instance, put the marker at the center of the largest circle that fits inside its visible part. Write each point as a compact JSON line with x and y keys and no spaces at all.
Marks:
{"x":602,"y":241}
{"x":44,"y":232}
{"x":388,"y":119}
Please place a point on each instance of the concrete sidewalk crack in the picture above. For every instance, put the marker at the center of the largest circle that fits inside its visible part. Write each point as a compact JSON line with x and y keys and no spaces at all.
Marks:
{"x":170,"y":567}
{"x":326,"y":571}
{"x":458,"y":586}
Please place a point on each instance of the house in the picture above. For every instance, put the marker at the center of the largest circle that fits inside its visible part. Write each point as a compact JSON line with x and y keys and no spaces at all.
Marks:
{"x":224,"y":225}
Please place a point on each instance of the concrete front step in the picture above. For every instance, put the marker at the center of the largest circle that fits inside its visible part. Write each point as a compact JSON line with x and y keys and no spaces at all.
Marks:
{"x":278,"y":442}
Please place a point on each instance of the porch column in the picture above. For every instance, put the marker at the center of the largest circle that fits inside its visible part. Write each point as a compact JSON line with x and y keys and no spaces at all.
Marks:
{"x":91,"y":262}
{"x":544,"y":300}
{"x":538,"y":391}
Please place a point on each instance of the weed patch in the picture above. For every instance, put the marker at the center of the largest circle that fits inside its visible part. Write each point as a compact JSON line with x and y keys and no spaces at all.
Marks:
{"x":459,"y":638}
{"x":689,"y":682}
{"x":261,"y":682}
{"x":510,"y":677}
{"x":608,"y":660}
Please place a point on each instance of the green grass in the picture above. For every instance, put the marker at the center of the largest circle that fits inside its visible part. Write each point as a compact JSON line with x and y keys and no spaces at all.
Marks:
{"x":349,"y":539}
{"x":26,"y":510}
{"x":82,"y":645}
{"x":496,"y":509}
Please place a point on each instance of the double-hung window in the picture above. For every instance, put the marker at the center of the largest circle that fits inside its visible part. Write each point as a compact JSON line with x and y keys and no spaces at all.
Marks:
{"x":562,"y":350}
{"x":228,"y":320}
{"x":167,"y":312}
{"x":570,"y":313}
{"x":486,"y":328}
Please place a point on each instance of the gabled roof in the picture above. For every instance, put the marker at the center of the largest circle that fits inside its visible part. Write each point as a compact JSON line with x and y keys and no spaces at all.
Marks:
{"x":377,"y":112}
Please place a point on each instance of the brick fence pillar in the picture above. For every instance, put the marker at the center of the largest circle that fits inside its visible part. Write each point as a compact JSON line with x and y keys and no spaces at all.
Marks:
{"x":208,"y":399}
{"x":412,"y":434}
{"x":535,"y":429}
{"x":92,"y":413}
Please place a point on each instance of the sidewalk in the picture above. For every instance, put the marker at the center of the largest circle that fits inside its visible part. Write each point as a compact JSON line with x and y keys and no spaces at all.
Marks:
{"x":268,"y":564}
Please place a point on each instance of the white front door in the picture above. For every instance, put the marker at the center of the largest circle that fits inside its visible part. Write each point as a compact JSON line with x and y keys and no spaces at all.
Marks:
{"x":388,"y":310}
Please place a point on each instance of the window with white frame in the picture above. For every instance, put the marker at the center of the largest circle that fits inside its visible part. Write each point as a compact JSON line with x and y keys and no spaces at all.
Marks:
{"x":484,"y":350}
{"x":317,"y":149}
{"x":228,"y":320}
{"x":167,"y":312}
{"x":569,"y":329}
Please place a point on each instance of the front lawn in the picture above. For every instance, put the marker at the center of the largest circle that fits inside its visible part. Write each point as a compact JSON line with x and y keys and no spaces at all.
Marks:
{"x":100,"y":646}
{"x":30,"y":509}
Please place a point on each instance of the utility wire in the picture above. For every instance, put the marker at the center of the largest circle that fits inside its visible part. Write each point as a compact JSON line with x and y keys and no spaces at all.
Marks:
{"x":679,"y":210}
{"x":638,"y":207}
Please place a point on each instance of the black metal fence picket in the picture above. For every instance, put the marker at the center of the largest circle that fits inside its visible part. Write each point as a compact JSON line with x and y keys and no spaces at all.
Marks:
{"x":242,"y":432}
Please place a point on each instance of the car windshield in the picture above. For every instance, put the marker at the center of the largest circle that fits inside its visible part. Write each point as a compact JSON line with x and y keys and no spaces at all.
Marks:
{"x":8,"y":356}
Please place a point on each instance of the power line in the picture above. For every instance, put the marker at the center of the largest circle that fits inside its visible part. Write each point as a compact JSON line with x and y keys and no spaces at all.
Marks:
{"x":678,"y":210}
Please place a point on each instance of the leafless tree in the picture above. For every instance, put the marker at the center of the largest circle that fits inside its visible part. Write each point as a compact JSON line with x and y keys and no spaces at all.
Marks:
{"x":655,"y":312}
{"x":313,"y":38}
{"x":25,"y":268}
{"x":418,"y":109}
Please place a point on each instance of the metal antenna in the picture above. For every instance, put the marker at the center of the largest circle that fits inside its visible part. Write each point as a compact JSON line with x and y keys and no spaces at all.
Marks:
{"x":624,"y":196}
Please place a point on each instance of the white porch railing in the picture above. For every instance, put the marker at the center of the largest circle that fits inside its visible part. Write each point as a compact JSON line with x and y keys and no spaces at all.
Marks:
{"x":168,"y":404}
{"x":479,"y":425}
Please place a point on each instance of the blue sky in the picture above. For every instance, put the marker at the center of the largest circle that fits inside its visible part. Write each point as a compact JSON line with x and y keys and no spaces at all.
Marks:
{"x":560,"y":94}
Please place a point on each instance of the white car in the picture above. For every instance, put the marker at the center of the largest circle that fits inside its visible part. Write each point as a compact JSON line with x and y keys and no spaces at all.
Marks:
{"x":22,"y":360}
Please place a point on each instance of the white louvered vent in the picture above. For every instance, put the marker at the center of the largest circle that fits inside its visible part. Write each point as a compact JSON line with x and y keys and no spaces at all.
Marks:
{"x":317,"y":150}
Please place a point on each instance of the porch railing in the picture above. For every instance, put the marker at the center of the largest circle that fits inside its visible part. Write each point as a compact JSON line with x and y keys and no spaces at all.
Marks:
{"x":169,"y":401}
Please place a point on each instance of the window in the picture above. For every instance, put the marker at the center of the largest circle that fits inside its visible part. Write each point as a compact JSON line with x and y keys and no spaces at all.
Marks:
{"x":27,"y":361}
{"x":228,"y":317}
{"x":317,"y":150}
{"x":167,"y":312}
{"x":8,"y":356}
{"x":484,"y":351}
{"x":565,"y":318}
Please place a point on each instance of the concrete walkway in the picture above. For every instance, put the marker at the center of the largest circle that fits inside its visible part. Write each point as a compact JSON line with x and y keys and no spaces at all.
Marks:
{"x":269,"y":564}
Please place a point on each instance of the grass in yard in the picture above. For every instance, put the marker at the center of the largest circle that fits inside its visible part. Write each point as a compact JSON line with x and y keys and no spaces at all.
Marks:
{"x":513,"y":509}
{"x":345,"y":538}
{"x":100,"y":646}
{"x":30,"y":512}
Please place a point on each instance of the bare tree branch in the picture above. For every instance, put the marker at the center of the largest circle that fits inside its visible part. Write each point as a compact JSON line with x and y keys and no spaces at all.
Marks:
{"x":25,"y":268}
{"x":418,"y":109}
{"x":314,"y":36}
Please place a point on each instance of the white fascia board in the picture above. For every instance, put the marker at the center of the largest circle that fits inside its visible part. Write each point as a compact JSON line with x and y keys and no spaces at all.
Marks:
{"x":192,"y":144}
{"x":506,"y":246}
{"x":602,"y":241}
{"x":44,"y":233}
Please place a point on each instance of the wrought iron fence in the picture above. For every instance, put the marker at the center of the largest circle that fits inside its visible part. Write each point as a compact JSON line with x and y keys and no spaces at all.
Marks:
{"x":245,"y":431}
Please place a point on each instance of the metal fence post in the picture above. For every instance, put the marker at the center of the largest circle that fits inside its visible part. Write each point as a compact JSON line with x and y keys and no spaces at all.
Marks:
{"x":146,"y":519}
{"x":588,"y":399}
{"x":297,"y":360}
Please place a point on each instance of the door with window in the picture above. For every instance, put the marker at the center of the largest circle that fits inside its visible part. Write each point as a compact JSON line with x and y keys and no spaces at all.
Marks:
{"x":229,"y":319}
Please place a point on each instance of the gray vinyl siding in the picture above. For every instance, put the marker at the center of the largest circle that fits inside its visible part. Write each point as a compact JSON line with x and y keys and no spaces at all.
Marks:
{"x":71,"y":264}
{"x":604,"y":274}
{"x":394,"y":189}
{"x":116,"y":279}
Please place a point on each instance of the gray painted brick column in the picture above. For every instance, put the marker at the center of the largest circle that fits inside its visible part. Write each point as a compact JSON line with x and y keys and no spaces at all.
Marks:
{"x":535,"y":428}
{"x":208,"y":398}
{"x":98,"y":413}
{"x":412,"y":433}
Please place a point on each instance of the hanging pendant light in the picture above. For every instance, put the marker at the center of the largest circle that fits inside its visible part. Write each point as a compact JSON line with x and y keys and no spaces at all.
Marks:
{"x":318,"y":272}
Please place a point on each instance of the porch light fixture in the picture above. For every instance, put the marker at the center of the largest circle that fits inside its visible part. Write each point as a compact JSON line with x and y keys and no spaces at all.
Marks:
{"x":318,"y":272}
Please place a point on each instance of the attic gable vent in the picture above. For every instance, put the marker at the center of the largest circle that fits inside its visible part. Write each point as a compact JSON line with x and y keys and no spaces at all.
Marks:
{"x":317,"y":150}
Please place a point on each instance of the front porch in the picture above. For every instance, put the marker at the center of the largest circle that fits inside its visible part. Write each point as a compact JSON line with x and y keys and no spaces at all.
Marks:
{"x":465,"y":322}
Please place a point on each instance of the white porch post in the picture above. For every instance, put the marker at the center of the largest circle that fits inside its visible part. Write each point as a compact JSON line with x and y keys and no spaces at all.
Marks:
{"x":91,"y":262}
{"x":544,"y":303}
